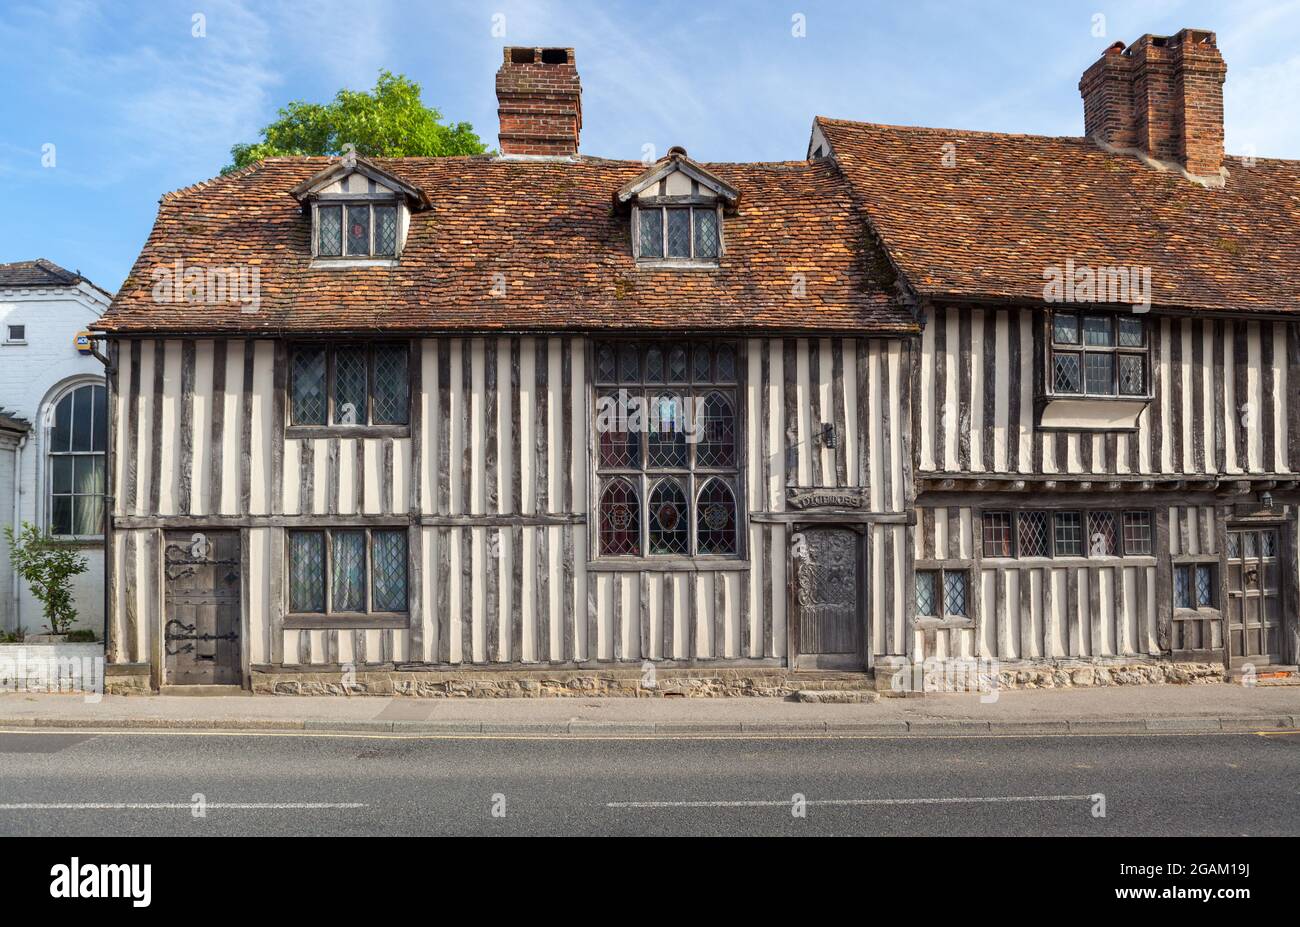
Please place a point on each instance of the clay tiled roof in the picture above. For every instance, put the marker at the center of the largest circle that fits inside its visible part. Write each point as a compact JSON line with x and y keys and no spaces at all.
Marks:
{"x":40,"y":273}
{"x":550,"y":227}
{"x":1016,"y":204}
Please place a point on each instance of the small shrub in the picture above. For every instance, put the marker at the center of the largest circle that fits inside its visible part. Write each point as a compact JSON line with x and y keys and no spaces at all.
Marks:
{"x":82,"y":636}
{"x":47,"y":567}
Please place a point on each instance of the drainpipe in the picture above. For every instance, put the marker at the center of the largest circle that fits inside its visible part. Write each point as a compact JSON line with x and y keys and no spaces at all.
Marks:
{"x":18,"y":523}
{"x":110,"y":501}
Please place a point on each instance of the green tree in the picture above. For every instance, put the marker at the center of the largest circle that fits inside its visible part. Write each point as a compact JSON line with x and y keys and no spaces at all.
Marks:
{"x":47,"y":567}
{"x":387,"y":122}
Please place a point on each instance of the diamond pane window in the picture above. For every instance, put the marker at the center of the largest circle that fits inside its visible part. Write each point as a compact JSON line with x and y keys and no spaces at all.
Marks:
{"x":388,"y":563}
{"x":669,"y":523}
{"x":1101,"y":534}
{"x":654,"y":365}
{"x":677,"y":365}
{"x":717,"y":441}
{"x":1066,"y":374}
{"x":1065,"y":328}
{"x":1097,"y":331}
{"x":706,"y":233}
{"x":954,"y":592}
{"x":700,"y":366}
{"x":726,"y":364}
{"x":306,"y":571}
{"x":307,"y":385}
{"x":1268,"y":544}
{"x":1183,"y":586}
{"x":1032,"y":534}
{"x":997,"y":534}
{"x":926,"y":598}
{"x":620,"y":520}
{"x":358,"y":230}
{"x":348,"y":556}
{"x":606,"y":366}
{"x":1132,"y":333}
{"x":715,"y":526}
{"x":620,"y":446}
{"x":666,"y":438}
{"x":1137,"y":534}
{"x":392,"y":387}
{"x":1068,"y":527}
{"x":679,"y":233}
{"x":650,"y":241}
{"x":629,"y":364}
{"x":1234,"y":544}
{"x":1132,"y":375}
{"x":1099,"y":371}
{"x":386,"y":230}
{"x":77,"y":439}
{"x":329,"y":240}
{"x":350,"y":386}
{"x":1204,"y":586}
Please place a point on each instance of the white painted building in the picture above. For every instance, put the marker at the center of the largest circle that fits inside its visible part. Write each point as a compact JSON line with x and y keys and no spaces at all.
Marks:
{"x":51,"y":473}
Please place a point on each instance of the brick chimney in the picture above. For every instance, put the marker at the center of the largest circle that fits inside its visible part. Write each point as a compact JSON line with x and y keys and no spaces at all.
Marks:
{"x":1163,"y":95}
{"x":539,"y":102}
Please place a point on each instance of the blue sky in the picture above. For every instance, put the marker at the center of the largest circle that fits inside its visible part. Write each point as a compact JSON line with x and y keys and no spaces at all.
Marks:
{"x":135,"y":105}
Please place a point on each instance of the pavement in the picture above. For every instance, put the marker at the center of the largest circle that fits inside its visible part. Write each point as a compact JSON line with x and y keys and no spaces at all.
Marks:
{"x":1113,"y":710}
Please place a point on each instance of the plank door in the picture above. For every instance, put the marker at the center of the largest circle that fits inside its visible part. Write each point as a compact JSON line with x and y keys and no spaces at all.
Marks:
{"x":828,"y":597}
{"x":202,"y":617}
{"x":1254,"y":596}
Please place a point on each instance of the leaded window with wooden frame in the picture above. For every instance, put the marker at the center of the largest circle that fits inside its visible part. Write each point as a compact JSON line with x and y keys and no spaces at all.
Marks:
{"x":942,"y":593}
{"x":677,"y":233}
{"x":356,"y":230}
{"x":348,"y":572}
{"x":1091,"y":533}
{"x":349,"y":385}
{"x":667,"y":449}
{"x":1194,"y":586}
{"x":1098,"y":354}
{"x":78,"y":439}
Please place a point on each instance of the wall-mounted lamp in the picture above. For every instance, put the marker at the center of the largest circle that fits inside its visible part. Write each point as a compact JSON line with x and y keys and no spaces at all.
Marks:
{"x":828,"y":435}
{"x":1266,"y":500}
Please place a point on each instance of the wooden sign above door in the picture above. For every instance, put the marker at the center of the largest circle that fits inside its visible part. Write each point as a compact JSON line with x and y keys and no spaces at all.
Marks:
{"x":803,"y":499}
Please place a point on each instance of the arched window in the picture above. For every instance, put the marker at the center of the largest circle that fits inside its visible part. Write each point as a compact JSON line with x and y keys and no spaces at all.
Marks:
{"x":715,"y":518}
{"x":78,"y":440}
{"x":669,"y":522}
{"x":717,"y":422}
{"x":620,"y":519}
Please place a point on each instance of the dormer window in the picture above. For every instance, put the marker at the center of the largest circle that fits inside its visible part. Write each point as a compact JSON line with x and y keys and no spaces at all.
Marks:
{"x":359,"y":213}
{"x":678,"y":233}
{"x":676,"y":211}
{"x":370,"y":230}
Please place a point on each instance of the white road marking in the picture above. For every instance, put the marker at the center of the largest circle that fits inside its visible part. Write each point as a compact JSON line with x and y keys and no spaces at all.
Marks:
{"x":178,"y":806}
{"x":991,"y":799}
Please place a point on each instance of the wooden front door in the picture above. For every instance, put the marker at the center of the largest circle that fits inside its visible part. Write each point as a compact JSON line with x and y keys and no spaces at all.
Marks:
{"x":828,"y":595}
{"x":201,"y":622}
{"x":1254,"y":596}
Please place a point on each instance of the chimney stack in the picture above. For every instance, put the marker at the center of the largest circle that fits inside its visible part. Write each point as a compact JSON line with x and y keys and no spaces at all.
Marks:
{"x":1163,"y":95}
{"x":539,"y":102}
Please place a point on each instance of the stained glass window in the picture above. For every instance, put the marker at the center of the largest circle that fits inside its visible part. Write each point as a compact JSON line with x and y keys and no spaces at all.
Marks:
{"x":306,"y":571}
{"x":385,"y":230}
{"x":666,"y":437}
{"x":1098,"y":355}
{"x":78,"y":439}
{"x":715,"y":526}
{"x":669,"y":524}
{"x":650,"y":242}
{"x":307,"y":385}
{"x":717,"y":443}
{"x":329,"y":242}
{"x":706,"y":233}
{"x":358,"y":230}
{"x":388,"y":562}
{"x":348,"y":556}
{"x":620,"y":519}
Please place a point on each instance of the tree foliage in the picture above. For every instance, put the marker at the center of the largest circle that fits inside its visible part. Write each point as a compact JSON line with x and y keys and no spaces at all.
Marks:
{"x":387,"y":122}
{"x":47,"y":567}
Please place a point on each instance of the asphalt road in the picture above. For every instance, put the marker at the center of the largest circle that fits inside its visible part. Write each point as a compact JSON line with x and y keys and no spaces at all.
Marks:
{"x":146,"y":784}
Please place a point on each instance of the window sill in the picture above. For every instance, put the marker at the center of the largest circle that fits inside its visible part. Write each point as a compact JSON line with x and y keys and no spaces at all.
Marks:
{"x":681,"y":564}
{"x":94,"y":540}
{"x":347,"y":621}
{"x":1091,"y":413}
{"x":934,"y":622}
{"x":1196,"y":614}
{"x":1134,"y":560}
{"x":675,"y":264}
{"x":347,"y":431}
{"x":348,"y":263}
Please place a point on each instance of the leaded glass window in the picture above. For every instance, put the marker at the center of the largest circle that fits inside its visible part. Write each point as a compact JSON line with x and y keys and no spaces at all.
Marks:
{"x":348,"y":571}
{"x":941,"y":593}
{"x":678,"y":233}
{"x":1098,"y":355}
{"x":1137,"y":533}
{"x":349,"y":385}
{"x":669,"y":521}
{"x":670,"y":451}
{"x":926,"y":598}
{"x":997,"y":534}
{"x":954,"y":592}
{"x":329,"y":241}
{"x":1032,"y":535}
{"x":356,"y":230}
{"x":716,"y":518}
{"x":78,"y":439}
{"x":1069,"y":534}
{"x":1194,"y":585}
{"x":1101,"y":534}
